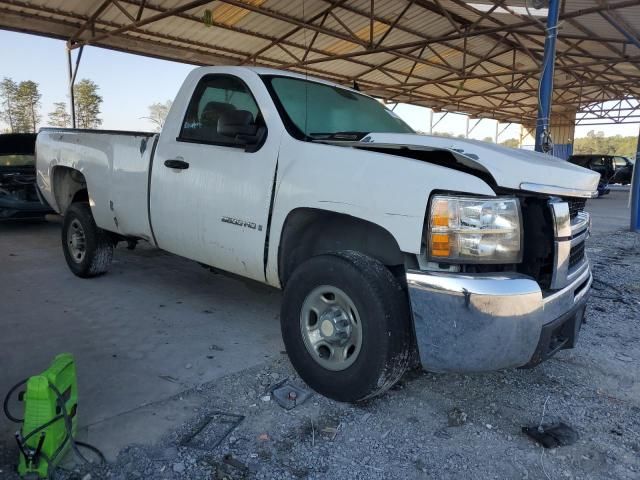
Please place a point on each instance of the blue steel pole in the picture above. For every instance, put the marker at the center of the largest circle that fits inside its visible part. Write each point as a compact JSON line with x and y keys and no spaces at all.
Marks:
{"x":545,"y":90}
{"x":635,"y":193}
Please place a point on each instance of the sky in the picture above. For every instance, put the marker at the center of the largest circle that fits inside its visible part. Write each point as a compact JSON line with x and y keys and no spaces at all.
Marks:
{"x":130,"y":83}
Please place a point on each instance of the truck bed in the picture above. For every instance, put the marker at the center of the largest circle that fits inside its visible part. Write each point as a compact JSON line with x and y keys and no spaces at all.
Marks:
{"x":116,"y":167}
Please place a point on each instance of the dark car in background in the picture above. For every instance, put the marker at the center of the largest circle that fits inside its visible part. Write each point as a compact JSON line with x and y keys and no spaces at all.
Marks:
{"x":19,"y":197}
{"x":612,"y":168}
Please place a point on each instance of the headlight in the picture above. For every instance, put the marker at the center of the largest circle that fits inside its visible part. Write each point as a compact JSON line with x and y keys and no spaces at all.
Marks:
{"x":474,"y":230}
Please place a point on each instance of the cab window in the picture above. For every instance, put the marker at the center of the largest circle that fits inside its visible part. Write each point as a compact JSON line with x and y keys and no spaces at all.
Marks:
{"x":215,"y":96}
{"x":619,"y":162}
{"x":582,"y":161}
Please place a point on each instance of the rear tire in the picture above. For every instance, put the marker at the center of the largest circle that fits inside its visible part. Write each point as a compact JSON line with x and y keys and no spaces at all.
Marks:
{"x":355,"y":362}
{"x":87,"y":248}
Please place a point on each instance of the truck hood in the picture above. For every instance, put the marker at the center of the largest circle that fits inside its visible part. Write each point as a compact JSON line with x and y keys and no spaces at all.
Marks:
{"x":509,"y":167}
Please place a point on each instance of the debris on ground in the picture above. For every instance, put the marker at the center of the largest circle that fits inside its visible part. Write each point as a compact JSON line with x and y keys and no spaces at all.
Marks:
{"x":456,"y":417}
{"x":211,"y":430}
{"x":330,"y":430}
{"x":552,"y":435}
{"x":228,"y":459}
{"x":624,"y":358}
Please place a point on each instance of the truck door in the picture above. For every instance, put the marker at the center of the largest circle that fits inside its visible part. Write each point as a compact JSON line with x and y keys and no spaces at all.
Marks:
{"x":210,"y":195}
{"x":599,"y":164}
{"x":621,"y":170}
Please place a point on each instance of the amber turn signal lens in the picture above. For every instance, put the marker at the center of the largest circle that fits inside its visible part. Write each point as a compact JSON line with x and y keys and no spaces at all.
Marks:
{"x":440,"y":245}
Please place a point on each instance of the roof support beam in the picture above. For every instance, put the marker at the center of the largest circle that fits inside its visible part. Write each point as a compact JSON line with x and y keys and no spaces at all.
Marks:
{"x":622,"y":27}
{"x":481,"y":64}
{"x":295,"y":21}
{"x":448,"y":38}
{"x":91,"y":21}
{"x":393,"y":24}
{"x":72,"y":80}
{"x":140,"y":10}
{"x":140,"y":23}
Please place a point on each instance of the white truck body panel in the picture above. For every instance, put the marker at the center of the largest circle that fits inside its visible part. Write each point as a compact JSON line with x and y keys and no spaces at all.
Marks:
{"x":216,"y":190}
{"x":115,"y":166}
{"x":183,"y":212}
{"x":221,"y":182}
{"x":391,"y":192}
{"x":510,"y":167}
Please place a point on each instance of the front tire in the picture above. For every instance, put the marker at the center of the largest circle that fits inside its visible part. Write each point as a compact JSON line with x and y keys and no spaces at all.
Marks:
{"x":346,"y":326}
{"x":87,"y":248}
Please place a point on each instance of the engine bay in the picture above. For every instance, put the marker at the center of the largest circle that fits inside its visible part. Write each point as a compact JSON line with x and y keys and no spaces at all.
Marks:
{"x":19,"y":184}
{"x":19,"y":198}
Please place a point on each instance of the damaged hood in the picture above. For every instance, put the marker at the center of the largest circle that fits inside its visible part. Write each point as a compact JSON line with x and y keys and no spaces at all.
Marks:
{"x":510,"y":168}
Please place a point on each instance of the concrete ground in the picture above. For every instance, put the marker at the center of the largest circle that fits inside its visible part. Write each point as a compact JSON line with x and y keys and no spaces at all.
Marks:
{"x":155,"y":330}
{"x":154,"y":326}
{"x":610,"y":212}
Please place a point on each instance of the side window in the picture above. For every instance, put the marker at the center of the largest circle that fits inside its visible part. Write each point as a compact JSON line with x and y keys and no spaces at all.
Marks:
{"x":619,"y":162}
{"x":598,"y":162}
{"x":214,"y":96}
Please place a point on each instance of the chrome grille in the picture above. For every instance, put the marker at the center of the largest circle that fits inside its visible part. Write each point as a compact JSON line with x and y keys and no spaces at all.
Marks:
{"x":570,"y":234}
{"x":537,"y":225}
{"x":576,"y":255}
{"x":576,"y":206}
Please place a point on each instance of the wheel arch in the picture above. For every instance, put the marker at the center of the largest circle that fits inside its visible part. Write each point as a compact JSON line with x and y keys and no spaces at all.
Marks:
{"x":69,"y":185}
{"x":307,"y":232}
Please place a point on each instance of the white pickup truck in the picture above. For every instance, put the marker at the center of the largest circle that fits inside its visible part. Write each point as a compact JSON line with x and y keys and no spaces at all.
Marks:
{"x":390,"y":246}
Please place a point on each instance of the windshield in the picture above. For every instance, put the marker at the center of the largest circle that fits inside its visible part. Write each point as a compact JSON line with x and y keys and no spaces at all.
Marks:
{"x":316,"y":110}
{"x":17,"y":160}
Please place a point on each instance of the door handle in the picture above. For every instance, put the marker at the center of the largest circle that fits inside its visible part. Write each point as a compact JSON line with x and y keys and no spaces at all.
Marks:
{"x":176,"y":163}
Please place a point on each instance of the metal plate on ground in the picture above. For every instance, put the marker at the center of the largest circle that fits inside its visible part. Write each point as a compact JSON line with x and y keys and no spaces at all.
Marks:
{"x":289,"y":396}
{"x":212,"y":430}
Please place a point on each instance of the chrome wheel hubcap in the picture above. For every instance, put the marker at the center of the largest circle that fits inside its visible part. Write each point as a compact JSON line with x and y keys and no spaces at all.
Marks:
{"x":331,"y":328}
{"x":76,"y":241}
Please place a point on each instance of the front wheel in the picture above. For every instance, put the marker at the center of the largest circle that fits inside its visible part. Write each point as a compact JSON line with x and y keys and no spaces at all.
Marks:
{"x":346,"y":326}
{"x":87,"y":248}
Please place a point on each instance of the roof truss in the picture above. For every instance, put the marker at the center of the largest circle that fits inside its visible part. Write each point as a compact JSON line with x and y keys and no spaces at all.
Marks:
{"x":444,"y":54}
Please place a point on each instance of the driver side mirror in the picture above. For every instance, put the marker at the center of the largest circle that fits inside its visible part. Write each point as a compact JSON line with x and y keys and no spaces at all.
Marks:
{"x":239,"y":125}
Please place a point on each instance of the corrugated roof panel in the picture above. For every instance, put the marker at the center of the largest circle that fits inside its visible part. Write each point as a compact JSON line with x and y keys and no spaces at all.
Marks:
{"x":420,"y":20}
{"x":595,"y":59}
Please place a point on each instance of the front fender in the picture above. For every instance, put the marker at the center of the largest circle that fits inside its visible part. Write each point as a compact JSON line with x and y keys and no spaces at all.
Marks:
{"x":389,"y":191}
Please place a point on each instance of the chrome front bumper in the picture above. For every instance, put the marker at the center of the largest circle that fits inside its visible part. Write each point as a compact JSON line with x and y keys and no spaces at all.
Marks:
{"x":473,"y":323}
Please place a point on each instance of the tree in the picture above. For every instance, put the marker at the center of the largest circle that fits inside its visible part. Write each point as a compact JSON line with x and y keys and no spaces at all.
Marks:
{"x":28,"y":101}
{"x":8,"y":93}
{"x":488,"y":139}
{"x":511,"y":142}
{"x":597,"y":142}
{"x":20,"y":105}
{"x":60,"y":117}
{"x":444,"y":134}
{"x":87,"y":103}
{"x":158,"y":113}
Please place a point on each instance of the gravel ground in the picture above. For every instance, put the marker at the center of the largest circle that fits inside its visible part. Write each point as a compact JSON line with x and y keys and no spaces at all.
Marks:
{"x":430,"y":426}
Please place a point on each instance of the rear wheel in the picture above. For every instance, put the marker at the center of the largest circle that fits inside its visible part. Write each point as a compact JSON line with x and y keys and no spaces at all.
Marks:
{"x":346,"y":326}
{"x":87,"y":248}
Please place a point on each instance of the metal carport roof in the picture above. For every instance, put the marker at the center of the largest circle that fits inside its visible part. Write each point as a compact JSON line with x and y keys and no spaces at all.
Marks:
{"x":477,"y":57}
